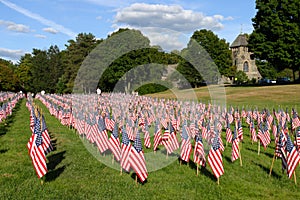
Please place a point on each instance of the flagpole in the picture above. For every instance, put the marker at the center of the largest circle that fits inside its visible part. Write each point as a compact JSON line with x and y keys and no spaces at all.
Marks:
{"x":218,"y":181}
{"x":258,"y":150}
{"x":272,"y":165}
{"x":197,"y":169}
{"x":240,"y":155}
{"x":295,"y":180}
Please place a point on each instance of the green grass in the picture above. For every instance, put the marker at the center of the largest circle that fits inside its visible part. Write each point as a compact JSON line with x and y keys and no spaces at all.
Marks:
{"x":74,"y":173}
{"x":263,"y":96}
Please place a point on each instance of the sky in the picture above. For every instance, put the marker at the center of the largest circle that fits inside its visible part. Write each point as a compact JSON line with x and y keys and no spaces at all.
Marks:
{"x":29,"y":24}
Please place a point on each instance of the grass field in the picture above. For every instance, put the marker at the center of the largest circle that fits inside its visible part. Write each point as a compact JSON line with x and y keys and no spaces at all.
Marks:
{"x":75,"y":174}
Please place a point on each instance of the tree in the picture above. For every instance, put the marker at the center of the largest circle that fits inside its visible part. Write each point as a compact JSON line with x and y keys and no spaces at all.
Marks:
{"x":217,"y":48}
{"x":276,"y":35}
{"x":24,"y":73}
{"x":241,"y":78}
{"x":8,"y":79}
{"x":73,"y":56}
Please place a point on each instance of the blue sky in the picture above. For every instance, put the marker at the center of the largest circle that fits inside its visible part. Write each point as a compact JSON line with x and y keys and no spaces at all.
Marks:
{"x":28,"y":24}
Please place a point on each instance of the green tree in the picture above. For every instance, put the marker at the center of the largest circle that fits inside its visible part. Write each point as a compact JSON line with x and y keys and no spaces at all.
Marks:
{"x":241,"y":78}
{"x":8,"y":79}
{"x":276,"y":35}
{"x":217,"y":48}
{"x":24,"y":73}
{"x":72,"y":58}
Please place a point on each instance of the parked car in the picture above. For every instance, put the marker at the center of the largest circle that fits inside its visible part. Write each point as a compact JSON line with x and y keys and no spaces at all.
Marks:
{"x":283,"y":80}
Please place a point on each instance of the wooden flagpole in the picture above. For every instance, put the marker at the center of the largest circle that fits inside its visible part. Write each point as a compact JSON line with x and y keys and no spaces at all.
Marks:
{"x":218,"y":181}
{"x":295,"y":179}
{"x":136,"y":181}
{"x":197,"y":169}
{"x":258,"y":150}
{"x":272,"y":165}
{"x":240,"y":155}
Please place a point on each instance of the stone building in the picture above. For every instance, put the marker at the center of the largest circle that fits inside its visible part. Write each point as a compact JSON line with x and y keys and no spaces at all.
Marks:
{"x":243,"y":59}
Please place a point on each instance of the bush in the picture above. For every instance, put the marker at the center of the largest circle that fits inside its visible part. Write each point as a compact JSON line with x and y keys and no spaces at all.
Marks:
{"x":152,"y":88}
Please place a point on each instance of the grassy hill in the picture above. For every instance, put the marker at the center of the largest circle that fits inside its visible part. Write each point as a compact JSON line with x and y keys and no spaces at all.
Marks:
{"x":263,"y":96}
{"x":74,"y":173}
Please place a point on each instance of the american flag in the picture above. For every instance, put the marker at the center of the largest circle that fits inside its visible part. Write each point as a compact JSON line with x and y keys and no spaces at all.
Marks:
{"x":173,"y":142}
{"x":240,"y":130}
{"x":295,"y":120}
{"x":228,"y":132}
{"x":253,"y":132}
{"x":298,"y":138}
{"x":235,"y":147}
{"x":47,"y":146}
{"x":186,"y":147}
{"x":157,"y":136}
{"x":215,"y":158}
{"x":261,"y":136}
{"x":204,"y":130}
{"x":125,"y":151}
{"x":293,"y":157}
{"x":269,"y":119}
{"x":274,"y":128}
{"x":129,"y":128}
{"x":147,"y":141}
{"x":137,"y":159}
{"x":114,"y":143}
{"x":267,"y":134}
{"x":37,"y":152}
{"x":102,"y":138}
{"x":199,"y":154}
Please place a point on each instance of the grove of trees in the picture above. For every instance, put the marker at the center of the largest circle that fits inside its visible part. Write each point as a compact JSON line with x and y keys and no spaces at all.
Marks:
{"x":275,"y":43}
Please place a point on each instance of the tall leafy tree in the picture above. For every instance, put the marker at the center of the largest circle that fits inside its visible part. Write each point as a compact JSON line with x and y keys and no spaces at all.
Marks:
{"x":75,"y":53}
{"x":276,"y":35}
{"x":217,"y":48}
{"x":8,"y":79}
{"x":24,"y":73}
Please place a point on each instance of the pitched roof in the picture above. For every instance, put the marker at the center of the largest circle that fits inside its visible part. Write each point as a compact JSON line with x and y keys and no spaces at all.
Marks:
{"x":241,"y":40}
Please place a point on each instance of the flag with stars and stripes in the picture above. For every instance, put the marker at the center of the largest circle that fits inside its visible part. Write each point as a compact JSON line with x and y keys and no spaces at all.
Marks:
{"x":137,"y":159}
{"x":114,"y":143}
{"x":293,"y":157}
{"x":125,"y":151}
{"x":36,"y":151}
{"x":235,"y":147}
{"x":199,"y":153}
{"x":186,"y":147}
{"x":102,"y":137}
{"x":215,"y":158}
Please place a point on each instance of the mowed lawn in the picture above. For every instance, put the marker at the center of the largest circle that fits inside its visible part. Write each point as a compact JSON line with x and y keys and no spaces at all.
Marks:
{"x":276,"y":96}
{"x":74,"y":173}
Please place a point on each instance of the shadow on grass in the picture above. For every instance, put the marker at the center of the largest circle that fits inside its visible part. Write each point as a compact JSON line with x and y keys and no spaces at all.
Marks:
{"x":228,"y":159}
{"x":54,"y":160}
{"x":202,"y":170}
{"x":5,"y":124}
{"x":136,"y":178}
{"x":267,"y":170}
{"x":3,"y":151}
{"x":262,"y":151}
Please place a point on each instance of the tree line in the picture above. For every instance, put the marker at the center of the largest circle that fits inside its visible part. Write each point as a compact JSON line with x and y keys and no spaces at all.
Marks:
{"x":275,"y":43}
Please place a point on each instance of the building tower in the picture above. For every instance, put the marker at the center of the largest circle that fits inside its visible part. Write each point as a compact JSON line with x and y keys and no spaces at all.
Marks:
{"x":243,"y":59}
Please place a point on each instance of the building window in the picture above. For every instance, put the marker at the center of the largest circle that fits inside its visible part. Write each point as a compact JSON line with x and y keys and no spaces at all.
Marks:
{"x":246,"y":67}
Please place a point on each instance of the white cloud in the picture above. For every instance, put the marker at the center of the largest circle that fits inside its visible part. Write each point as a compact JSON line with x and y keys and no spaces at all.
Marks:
{"x":39,"y":18}
{"x":40,"y":36}
{"x":50,"y":30}
{"x":99,"y":17}
{"x":163,"y":21}
{"x":12,"y":26}
{"x":11,"y":54}
{"x":167,"y":16}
